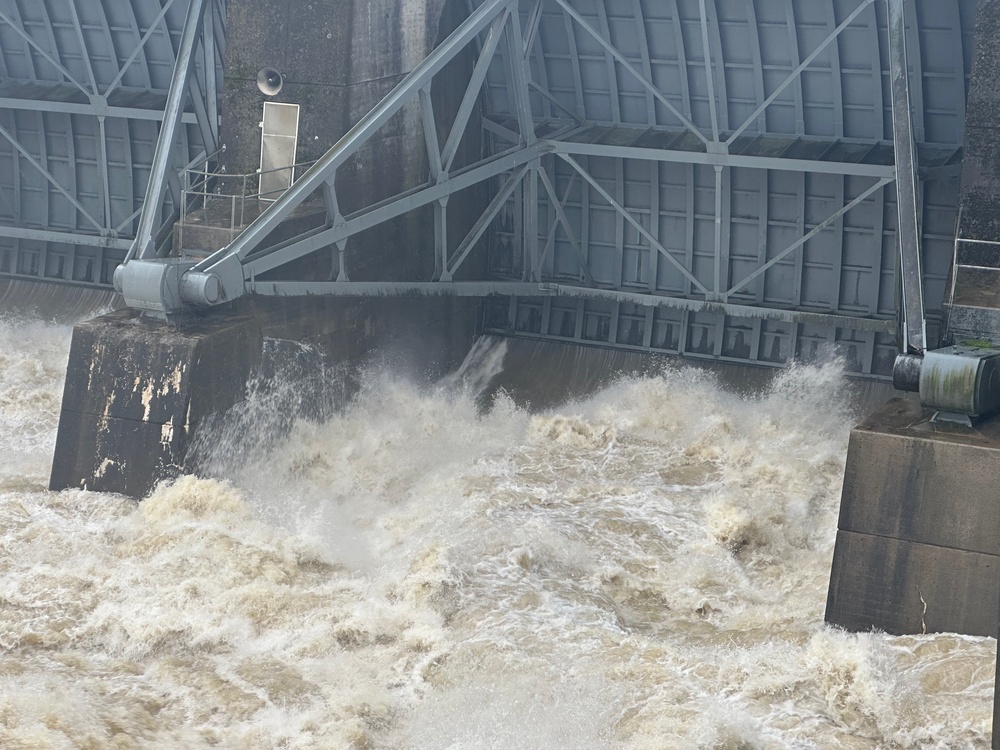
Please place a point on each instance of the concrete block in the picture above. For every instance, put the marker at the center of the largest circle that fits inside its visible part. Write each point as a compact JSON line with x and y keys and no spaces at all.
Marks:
{"x":116,"y":455}
{"x":913,"y":479}
{"x":136,"y":389}
{"x":140,"y":369}
{"x":905,"y":587}
{"x":919,"y":524}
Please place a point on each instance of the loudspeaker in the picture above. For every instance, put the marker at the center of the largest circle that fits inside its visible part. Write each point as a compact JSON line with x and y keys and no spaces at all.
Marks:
{"x":269,"y":81}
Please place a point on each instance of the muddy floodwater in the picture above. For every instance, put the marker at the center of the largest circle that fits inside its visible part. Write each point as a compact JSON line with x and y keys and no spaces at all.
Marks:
{"x":428,"y":567}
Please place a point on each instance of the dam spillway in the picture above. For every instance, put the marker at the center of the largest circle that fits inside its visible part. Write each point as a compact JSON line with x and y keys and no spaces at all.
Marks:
{"x":800,"y":96}
{"x":735,"y":182}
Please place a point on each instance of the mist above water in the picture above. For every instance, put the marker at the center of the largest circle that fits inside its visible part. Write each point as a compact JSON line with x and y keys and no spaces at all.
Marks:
{"x":429,"y":567}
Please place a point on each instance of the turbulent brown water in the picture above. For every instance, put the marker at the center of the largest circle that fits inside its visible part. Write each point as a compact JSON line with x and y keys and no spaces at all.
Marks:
{"x":643,"y":569}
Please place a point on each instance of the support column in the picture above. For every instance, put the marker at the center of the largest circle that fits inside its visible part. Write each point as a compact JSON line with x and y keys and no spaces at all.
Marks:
{"x":918,"y":541}
{"x":135,"y":391}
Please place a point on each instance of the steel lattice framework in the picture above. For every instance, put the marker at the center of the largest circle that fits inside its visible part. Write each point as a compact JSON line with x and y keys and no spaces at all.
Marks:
{"x":83,"y":92}
{"x":719,"y":178}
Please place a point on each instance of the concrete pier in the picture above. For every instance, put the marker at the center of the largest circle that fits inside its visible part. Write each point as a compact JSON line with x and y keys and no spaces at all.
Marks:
{"x":918,"y":543}
{"x":137,"y":389}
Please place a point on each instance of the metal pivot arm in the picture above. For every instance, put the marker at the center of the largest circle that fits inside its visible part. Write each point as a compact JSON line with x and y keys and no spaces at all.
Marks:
{"x":220,"y":277}
{"x":143,"y":246}
{"x":960,"y":382}
{"x":914,"y":324}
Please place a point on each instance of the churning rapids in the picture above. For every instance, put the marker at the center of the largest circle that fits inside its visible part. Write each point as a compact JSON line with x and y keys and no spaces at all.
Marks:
{"x":643,"y":569}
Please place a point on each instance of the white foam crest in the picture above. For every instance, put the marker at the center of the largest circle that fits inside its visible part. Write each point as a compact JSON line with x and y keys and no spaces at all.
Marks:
{"x":643,"y":569}
{"x":242,"y":632}
{"x":33,"y":358}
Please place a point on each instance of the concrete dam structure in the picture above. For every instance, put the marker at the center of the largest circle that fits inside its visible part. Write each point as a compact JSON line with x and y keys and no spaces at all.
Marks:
{"x":739,"y":181}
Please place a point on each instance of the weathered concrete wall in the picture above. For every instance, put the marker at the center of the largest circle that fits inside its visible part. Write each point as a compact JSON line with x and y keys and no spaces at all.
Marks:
{"x":339,"y":59}
{"x":137,"y":389}
{"x":975,"y":311}
{"x":918,"y":545}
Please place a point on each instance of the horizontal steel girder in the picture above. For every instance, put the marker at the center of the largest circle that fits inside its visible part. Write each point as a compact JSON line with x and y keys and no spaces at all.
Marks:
{"x":526,"y":289}
{"x":720,"y":159}
{"x":65,"y":238}
{"x":78,"y":108}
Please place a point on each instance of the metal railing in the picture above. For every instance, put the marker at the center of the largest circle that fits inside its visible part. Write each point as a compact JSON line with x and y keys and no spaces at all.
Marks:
{"x":229,"y":201}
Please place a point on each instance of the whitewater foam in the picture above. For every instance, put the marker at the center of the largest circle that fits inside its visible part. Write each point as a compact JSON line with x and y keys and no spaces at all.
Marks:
{"x":646,"y":568}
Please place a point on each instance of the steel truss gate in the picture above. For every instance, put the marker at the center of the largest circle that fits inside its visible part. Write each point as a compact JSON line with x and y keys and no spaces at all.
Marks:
{"x":720,"y":178}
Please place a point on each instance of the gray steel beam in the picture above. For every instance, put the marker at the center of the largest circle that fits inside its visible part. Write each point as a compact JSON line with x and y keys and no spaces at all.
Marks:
{"x":531,"y":29}
{"x":536,"y":51}
{"x":647,"y":68}
{"x":78,"y":27}
{"x":53,"y":280}
{"x":763,"y":212}
{"x":66,"y":238}
{"x":547,"y":95}
{"x":102,"y":160}
{"x":717,"y":238}
{"x":609,"y":61}
{"x":805,"y":238}
{"x":528,"y":289}
{"x":560,"y":212}
{"x":908,"y":233}
{"x":791,"y":27}
{"x":520,"y":76}
{"x":477,"y":231}
{"x":836,"y":76}
{"x":471,"y":95}
{"x":690,"y":219}
{"x":631,"y":220}
{"x":19,"y":30}
{"x":369,"y":124}
{"x":654,"y":226}
{"x":48,"y":176}
{"x":574,"y":60}
{"x":144,"y":245}
{"x":140,"y":46}
{"x":709,"y":75}
{"x":915,"y":59}
{"x":380,"y":213}
{"x":877,"y":252}
{"x":76,"y":108}
{"x":758,"y":63}
{"x":530,"y":207}
{"x":209,"y":50}
{"x":619,"y":242}
{"x":721,"y":159}
{"x":958,"y":56}
{"x":801,"y":192}
{"x":838,"y":257}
